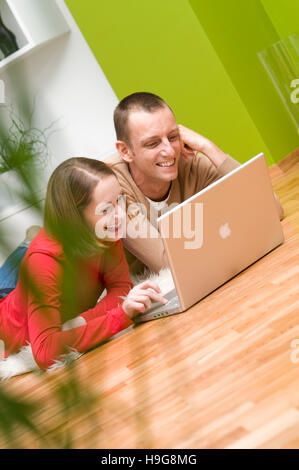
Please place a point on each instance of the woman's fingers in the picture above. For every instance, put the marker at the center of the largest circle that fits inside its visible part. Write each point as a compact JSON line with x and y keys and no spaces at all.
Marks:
{"x":156,"y":297}
{"x":136,"y":306}
{"x":142,"y":299}
{"x":150,"y":295}
{"x":131,"y":307}
{"x":148,"y":285}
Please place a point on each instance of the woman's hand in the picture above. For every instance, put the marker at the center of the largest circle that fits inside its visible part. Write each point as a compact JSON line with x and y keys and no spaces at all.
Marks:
{"x":140,"y":298}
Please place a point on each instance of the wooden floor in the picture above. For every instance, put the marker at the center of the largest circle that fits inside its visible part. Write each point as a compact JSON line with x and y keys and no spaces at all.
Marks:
{"x":224,"y":374}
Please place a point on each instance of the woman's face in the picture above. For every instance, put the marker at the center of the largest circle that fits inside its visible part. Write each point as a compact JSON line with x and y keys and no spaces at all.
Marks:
{"x":106,"y":214}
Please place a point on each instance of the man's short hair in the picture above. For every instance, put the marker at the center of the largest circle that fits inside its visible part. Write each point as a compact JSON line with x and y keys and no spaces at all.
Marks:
{"x":140,"y":101}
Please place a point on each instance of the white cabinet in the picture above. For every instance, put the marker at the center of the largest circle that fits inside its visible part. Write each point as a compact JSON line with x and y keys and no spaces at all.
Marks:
{"x":34,"y":22}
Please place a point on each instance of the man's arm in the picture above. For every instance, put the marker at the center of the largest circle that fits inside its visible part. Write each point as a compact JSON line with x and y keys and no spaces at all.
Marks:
{"x":148,"y":250}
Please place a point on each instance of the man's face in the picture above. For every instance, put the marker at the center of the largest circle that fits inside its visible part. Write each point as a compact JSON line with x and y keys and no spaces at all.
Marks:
{"x":155,"y":145}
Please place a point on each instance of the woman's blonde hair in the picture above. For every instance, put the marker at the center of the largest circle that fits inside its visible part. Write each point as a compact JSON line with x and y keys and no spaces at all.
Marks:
{"x":69,"y":191}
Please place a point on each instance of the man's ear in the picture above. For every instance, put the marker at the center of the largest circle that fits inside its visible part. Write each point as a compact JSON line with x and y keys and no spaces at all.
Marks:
{"x":124,"y":151}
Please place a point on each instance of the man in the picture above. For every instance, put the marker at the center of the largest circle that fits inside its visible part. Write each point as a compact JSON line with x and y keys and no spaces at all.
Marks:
{"x":159,"y":163}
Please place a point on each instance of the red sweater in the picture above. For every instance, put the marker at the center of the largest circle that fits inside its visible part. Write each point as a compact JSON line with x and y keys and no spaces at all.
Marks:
{"x":36,"y":316}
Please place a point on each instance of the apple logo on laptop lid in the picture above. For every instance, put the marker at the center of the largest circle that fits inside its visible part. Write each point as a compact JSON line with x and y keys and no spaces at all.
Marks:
{"x":225,"y":231}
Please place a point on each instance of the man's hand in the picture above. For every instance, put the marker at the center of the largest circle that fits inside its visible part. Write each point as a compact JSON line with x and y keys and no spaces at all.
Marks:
{"x":140,"y":298}
{"x":192,"y":142}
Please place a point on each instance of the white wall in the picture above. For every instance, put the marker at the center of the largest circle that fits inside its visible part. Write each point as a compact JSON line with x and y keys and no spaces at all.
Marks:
{"x":68,"y":87}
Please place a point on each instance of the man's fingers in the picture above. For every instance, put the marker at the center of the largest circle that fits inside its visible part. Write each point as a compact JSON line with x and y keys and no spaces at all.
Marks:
{"x":186,"y":155}
{"x":188,"y":150}
{"x":187,"y":147}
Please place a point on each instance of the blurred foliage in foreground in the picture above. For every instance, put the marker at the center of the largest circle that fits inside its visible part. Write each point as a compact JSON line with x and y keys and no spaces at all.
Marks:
{"x":22,"y":422}
{"x":23,"y":150}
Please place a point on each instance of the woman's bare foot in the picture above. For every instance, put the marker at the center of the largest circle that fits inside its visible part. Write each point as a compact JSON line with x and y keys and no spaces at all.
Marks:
{"x":31,"y":233}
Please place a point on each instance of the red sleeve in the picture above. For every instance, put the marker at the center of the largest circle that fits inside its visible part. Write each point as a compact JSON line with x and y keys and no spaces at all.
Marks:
{"x":116,"y":278}
{"x":47,"y":340}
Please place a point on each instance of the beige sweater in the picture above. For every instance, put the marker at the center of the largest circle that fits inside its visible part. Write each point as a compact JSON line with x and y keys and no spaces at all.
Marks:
{"x":193,"y":175}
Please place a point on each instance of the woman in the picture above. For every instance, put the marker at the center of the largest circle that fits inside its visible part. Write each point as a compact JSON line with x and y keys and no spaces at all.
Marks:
{"x":67,"y":267}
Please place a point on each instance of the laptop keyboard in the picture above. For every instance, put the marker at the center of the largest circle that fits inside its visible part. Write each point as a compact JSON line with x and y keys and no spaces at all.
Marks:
{"x":173,"y":302}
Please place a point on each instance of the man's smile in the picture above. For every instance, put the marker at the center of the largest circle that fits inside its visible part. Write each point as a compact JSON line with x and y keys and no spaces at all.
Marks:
{"x":167,"y":163}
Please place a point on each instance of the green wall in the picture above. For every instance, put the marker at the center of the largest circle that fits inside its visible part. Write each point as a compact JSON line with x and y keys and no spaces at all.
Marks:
{"x":284,"y":14}
{"x":238,"y":30}
{"x":185,"y":51}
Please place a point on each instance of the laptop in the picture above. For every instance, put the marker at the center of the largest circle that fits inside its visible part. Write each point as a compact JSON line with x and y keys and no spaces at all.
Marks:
{"x":217,"y":233}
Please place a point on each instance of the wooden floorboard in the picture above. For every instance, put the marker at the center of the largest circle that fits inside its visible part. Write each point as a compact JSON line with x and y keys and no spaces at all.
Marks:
{"x":224,"y":374}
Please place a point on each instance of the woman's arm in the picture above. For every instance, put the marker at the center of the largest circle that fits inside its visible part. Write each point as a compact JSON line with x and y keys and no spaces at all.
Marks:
{"x":116,"y":278}
{"x":47,"y":340}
